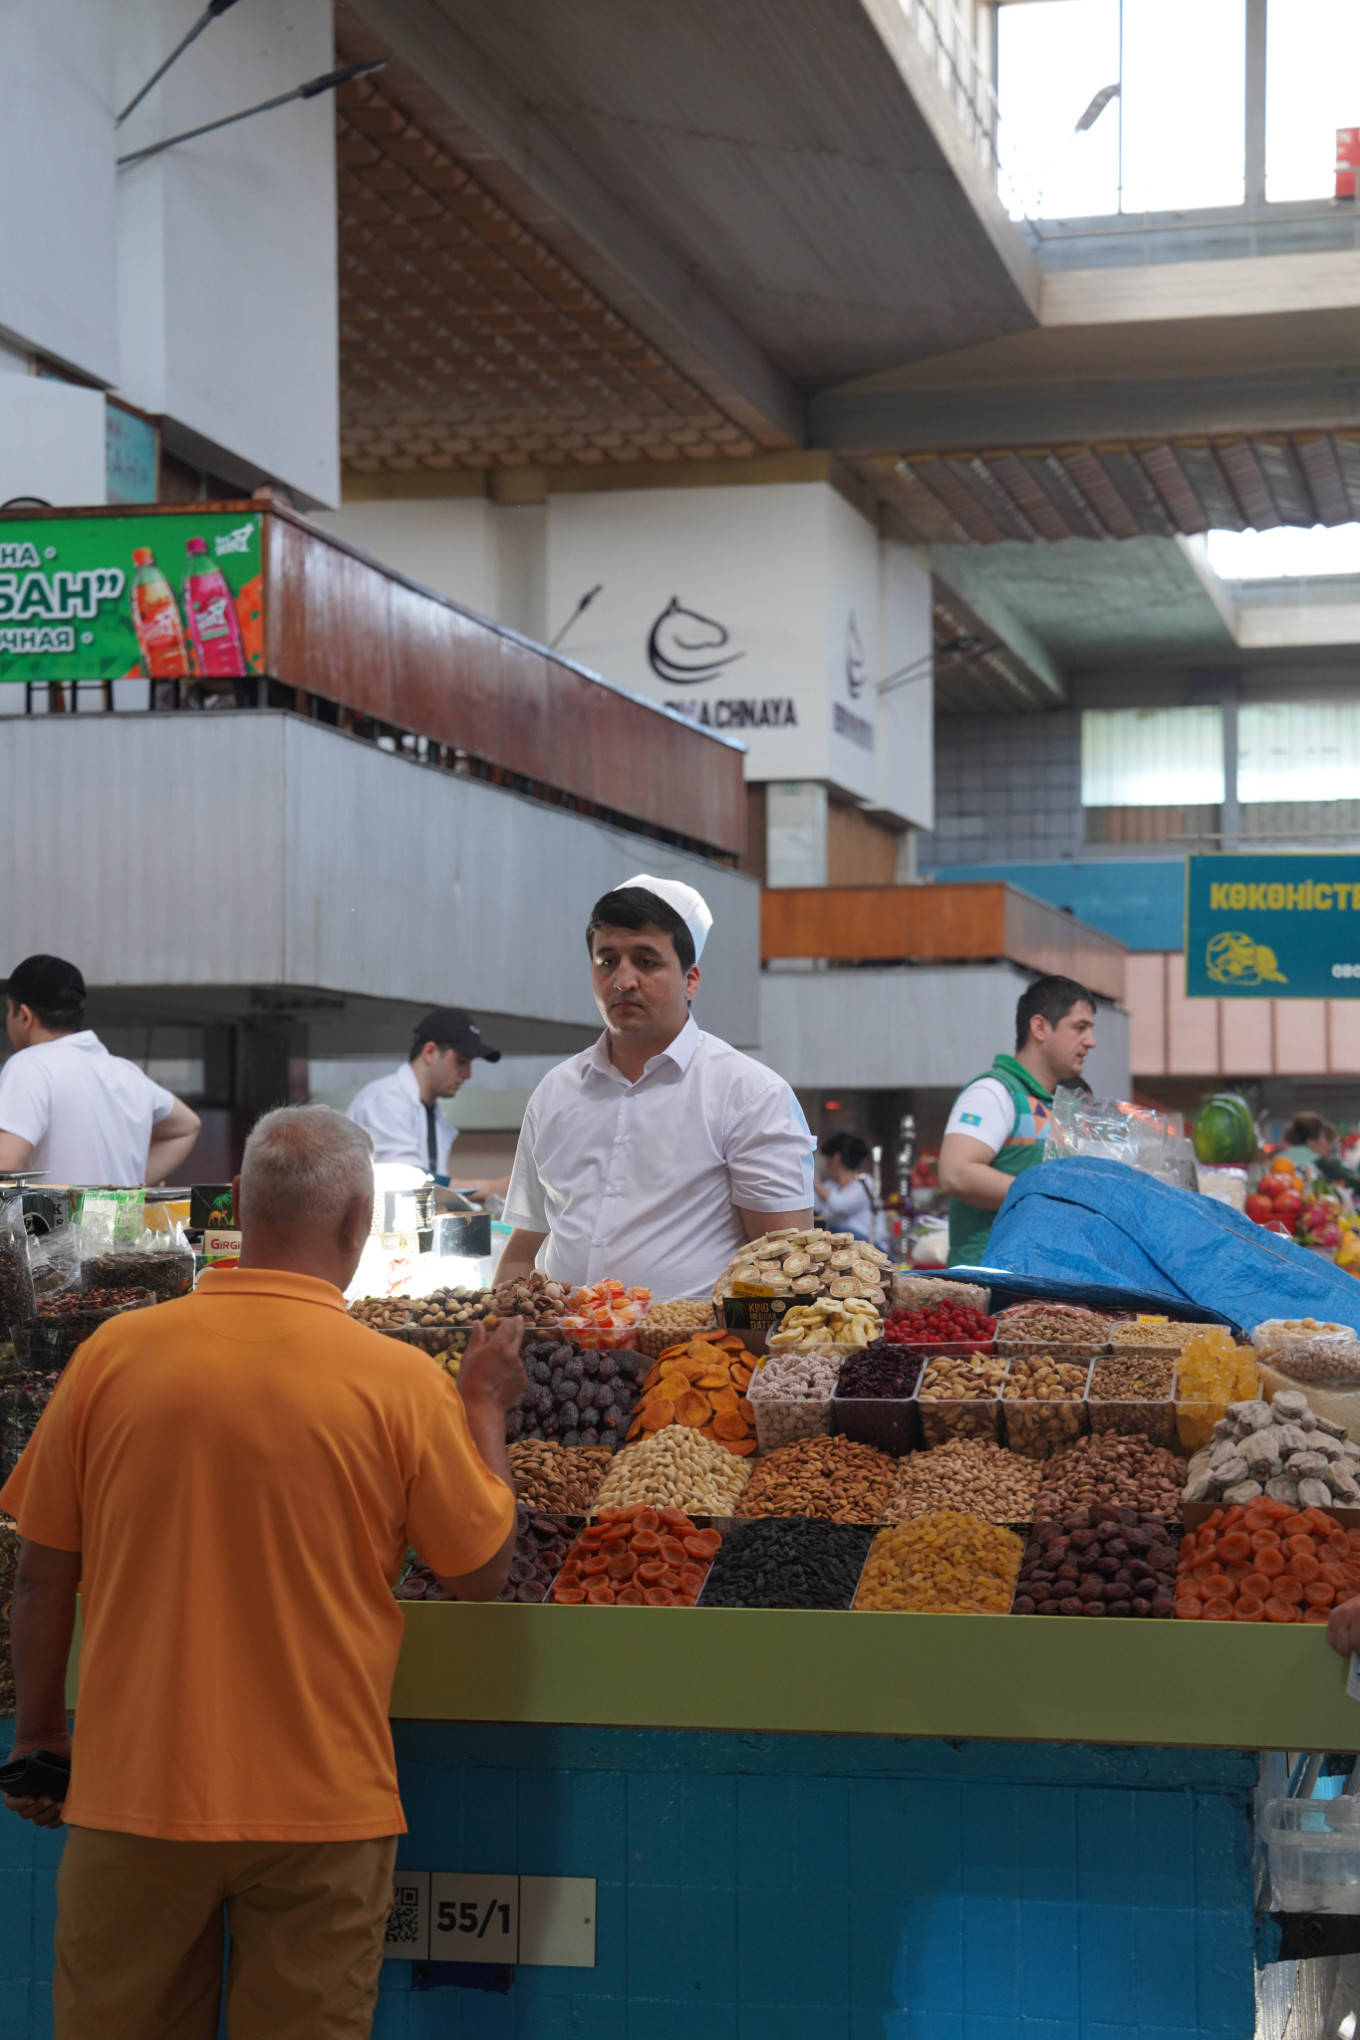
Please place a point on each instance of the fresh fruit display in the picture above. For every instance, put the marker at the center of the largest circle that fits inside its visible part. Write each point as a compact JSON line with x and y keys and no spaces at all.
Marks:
{"x":1266,"y":1562}
{"x":941,"y":1324}
{"x":702,"y":1384}
{"x":1225,"y":1130}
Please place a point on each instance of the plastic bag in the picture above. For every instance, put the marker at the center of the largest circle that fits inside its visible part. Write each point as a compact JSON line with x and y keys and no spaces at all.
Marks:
{"x":1310,"y":1352}
{"x":16,"y":1276}
{"x":1113,"y":1130}
{"x":157,"y":1259}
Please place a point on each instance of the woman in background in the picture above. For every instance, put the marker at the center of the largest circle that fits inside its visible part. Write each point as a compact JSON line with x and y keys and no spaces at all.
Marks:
{"x":843,"y":1197}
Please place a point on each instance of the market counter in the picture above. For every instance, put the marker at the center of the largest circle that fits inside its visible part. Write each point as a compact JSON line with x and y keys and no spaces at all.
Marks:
{"x":1213,"y":1685}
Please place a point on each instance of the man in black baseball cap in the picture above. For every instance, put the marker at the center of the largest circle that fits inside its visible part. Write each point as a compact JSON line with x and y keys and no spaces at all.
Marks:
{"x":401,"y":1111}
{"x":68,"y":1109}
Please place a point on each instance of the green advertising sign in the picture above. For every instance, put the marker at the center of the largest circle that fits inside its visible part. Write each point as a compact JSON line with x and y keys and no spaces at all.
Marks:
{"x":1280,"y":927}
{"x":174,"y":597}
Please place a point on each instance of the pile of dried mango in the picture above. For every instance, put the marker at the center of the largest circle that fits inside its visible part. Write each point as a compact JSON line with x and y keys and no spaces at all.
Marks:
{"x":702,"y":1383}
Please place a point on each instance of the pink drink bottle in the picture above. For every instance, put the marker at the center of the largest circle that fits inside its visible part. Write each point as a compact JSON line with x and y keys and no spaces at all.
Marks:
{"x":211,"y":613}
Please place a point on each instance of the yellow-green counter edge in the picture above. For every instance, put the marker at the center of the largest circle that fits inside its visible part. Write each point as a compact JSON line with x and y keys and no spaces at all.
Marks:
{"x":1029,"y":1678}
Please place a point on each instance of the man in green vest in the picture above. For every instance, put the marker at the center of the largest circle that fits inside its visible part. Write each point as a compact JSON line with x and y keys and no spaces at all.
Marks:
{"x":999,"y":1121}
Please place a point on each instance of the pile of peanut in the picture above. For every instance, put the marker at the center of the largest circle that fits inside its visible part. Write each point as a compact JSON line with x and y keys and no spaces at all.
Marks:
{"x":560,"y":1480}
{"x":833,"y":1478}
{"x":675,"y":1469}
{"x":1059,"y":1385}
{"x":383,"y":1313}
{"x":1128,"y":1332}
{"x":1120,"y":1472}
{"x":947,"y":1563}
{"x":968,"y":1474}
{"x":958,"y":1397}
{"x":959,"y":1377}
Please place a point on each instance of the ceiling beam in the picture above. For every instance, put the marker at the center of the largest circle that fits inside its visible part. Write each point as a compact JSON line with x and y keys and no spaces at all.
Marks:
{"x":851,"y":421}
{"x":961,"y":578}
{"x":426,"y":39}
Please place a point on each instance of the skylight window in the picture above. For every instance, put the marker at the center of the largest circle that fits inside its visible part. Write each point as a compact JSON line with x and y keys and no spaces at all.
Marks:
{"x":1291,"y":553}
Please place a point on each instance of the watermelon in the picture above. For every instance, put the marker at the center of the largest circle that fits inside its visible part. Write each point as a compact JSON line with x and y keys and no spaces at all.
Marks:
{"x":1225,"y":1131}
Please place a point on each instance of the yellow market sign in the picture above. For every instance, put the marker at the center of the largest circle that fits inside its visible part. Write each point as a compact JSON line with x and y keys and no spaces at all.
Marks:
{"x":1273,"y":927}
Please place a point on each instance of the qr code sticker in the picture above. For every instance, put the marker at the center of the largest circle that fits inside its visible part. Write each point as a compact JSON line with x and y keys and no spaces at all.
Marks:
{"x":403,"y":1922}
{"x":408,"y":1922}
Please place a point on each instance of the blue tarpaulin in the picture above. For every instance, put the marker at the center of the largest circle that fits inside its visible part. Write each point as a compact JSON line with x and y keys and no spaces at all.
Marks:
{"x":1082,"y":1222}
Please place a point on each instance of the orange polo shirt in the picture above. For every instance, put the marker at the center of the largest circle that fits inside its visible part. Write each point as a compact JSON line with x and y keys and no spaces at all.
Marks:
{"x":242,"y":1471}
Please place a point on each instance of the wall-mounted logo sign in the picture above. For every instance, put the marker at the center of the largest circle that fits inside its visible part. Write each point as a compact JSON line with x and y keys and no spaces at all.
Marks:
{"x":1283,"y":926}
{"x":854,"y":659}
{"x":684,"y":647}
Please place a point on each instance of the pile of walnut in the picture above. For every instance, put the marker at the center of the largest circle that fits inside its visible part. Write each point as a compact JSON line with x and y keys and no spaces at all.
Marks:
{"x":1280,"y":1449}
{"x":813,"y":1263}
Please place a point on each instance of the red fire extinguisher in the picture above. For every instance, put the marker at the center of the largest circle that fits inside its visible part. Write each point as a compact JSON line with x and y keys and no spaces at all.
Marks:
{"x":1347,"y":161}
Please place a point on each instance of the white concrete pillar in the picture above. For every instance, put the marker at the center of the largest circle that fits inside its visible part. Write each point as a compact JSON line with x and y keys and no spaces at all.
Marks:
{"x":795,"y":832}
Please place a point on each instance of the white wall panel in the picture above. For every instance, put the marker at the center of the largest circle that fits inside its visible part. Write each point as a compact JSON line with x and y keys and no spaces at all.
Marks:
{"x":763,"y":581}
{"x":903,"y":1029}
{"x":905,"y":758}
{"x":450,"y":546}
{"x":58,"y":279}
{"x":51,"y":440}
{"x":227,"y":245}
{"x":408,"y":883}
{"x":256,"y":849}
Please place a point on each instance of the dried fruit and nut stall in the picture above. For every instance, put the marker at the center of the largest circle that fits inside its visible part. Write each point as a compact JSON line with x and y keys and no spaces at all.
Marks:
{"x":831,"y":1441}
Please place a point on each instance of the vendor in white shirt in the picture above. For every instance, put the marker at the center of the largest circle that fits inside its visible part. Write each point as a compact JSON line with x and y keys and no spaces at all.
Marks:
{"x":656,"y":1154}
{"x":401,"y":1112}
{"x":69,"y":1110}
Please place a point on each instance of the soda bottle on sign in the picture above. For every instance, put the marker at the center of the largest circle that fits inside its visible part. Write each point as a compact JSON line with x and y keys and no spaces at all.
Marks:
{"x":155,"y":618}
{"x":211,"y":612}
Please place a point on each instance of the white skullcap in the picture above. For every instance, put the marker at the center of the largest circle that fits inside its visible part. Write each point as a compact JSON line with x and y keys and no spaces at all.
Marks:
{"x":690,"y":905}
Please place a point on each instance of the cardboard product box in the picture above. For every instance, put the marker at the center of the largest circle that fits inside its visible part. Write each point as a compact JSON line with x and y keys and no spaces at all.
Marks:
{"x":211,"y":1204}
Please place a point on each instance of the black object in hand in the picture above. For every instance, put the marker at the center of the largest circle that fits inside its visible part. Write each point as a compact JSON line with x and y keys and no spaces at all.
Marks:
{"x":40,"y":1775}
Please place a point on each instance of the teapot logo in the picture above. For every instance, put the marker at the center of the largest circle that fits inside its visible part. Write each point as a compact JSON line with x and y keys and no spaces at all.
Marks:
{"x":684,"y":647}
{"x":1233,"y":959}
{"x":854,"y":659}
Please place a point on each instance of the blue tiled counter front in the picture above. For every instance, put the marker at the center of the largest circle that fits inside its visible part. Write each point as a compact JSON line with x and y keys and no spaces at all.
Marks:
{"x":808,"y":1887}
{"x":758,"y":1887}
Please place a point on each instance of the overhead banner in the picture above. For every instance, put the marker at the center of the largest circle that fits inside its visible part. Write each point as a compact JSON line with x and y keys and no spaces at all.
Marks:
{"x":1273,"y":927}
{"x":136,"y":597}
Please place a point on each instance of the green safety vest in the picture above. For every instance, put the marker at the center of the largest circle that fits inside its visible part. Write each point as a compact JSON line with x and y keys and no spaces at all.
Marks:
{"x":969,"y":1226}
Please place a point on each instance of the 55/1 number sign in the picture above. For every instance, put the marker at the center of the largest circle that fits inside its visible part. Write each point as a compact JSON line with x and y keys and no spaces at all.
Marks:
{"x":457,"y":1916}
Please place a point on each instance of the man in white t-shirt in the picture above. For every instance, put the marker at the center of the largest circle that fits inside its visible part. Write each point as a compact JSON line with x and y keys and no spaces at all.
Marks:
{"x":69,"y":1110}
{"x":999,"y":1121}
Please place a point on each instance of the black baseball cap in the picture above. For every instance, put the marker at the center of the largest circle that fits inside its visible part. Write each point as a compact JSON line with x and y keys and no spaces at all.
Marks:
{"x":49,"y":984}
{"x":451,"y":1029}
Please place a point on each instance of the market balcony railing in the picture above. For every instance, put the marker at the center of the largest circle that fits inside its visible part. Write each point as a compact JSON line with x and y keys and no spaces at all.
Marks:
{"x":981,"y":922}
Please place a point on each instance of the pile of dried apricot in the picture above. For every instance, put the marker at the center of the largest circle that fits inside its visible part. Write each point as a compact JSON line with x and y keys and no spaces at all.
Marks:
{"x":1266,"y":1562}
{"x":702,"y":1383}
{"x":637,"y":1558}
